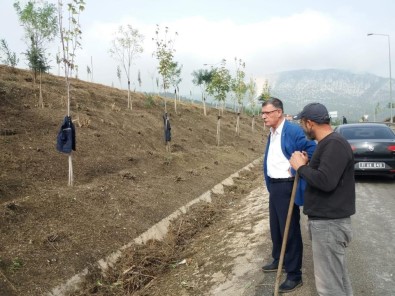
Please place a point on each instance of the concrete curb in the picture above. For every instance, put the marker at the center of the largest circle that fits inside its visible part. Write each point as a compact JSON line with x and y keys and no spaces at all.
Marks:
{"x":157,"y":231}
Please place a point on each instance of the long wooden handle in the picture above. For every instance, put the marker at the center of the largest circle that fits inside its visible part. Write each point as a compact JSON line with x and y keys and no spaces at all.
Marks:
{"x":285,"y":238}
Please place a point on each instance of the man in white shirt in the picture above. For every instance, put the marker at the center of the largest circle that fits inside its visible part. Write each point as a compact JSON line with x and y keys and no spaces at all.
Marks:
{"x":284,"y":139}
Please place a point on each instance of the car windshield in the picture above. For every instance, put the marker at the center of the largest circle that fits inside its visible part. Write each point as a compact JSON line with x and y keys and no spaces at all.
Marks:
{"x":367,"y":132}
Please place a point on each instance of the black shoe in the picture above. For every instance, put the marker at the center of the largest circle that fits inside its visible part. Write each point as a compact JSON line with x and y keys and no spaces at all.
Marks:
{"x":272,"y":267}
{"x":289,"y":286}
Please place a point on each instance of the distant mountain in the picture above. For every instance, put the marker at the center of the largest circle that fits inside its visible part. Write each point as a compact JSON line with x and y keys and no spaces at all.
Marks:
{"x":352,"y":95}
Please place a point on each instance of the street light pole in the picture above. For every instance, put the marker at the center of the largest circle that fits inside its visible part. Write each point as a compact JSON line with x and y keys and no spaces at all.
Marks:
{"x":389,"y":59}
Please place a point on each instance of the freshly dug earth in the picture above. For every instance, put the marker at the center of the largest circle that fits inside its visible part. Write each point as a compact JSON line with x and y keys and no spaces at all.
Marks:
{"x":124,"y":180}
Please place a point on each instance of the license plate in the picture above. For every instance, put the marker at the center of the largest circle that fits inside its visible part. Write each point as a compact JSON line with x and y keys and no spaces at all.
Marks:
{"x":371,"y":165}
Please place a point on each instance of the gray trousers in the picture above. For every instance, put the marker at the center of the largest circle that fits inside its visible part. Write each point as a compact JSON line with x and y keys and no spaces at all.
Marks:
{"x":330,"y":239}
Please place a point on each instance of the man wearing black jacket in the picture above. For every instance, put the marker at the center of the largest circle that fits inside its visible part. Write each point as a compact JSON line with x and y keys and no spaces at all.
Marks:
{"x":329,"y":199}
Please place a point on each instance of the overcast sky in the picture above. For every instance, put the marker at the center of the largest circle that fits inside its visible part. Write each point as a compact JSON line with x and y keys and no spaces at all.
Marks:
{"x":269,"y":36}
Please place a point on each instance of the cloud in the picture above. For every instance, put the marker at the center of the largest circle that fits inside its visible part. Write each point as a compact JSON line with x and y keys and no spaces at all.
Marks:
{"x":276,"y":43}
{"x":306,"y":39}
{"x":205,"y":38}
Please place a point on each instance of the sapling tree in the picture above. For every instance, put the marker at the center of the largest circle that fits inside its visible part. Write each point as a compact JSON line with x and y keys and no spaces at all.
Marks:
{"x":9,"y":58}
{"x":126,"y":47}
{"x":40,"y":23}
{"x":219,"y":87}
{"x":157,"y":85}
{"x":88,"y":72}
{"x":76,"y":68}
{"x":265,"y":95}
{"x":202,"y":78}
{"x":139,"y":79}
{"x":175,"y":80}
{"x":70,"y":37}
{"x":58,"y":59}
{"x":164,"y":54}
{"x":239,"y":88}
{"x":251,"y":95}
{"x":119,"y":75}
{"x":238,"y":85}
{"x":37,"y":61}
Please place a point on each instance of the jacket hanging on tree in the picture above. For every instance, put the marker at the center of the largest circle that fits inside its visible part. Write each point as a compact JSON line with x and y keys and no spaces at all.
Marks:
{"x":167,"y":128}
{"x":66,"y":136}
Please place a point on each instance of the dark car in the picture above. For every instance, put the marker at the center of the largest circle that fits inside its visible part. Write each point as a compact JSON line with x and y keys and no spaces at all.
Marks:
{"x":373,"y":145}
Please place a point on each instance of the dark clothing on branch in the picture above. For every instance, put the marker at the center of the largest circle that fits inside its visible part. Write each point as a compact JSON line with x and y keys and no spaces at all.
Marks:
{"x":66,"y":136}
{"x":167,"y":128}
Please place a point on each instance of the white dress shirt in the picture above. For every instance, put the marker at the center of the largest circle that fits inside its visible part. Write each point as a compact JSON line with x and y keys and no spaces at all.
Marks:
{"x":277,"y":164}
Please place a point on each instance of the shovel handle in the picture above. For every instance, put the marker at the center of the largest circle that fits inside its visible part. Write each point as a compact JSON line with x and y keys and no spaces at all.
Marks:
{"x":285,"y":237}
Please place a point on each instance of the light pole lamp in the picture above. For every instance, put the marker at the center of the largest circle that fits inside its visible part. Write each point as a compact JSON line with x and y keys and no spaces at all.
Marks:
{"x":389,"y":59}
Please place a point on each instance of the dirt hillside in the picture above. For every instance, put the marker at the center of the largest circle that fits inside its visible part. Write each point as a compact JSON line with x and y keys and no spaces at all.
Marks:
{"x":124,"y":180}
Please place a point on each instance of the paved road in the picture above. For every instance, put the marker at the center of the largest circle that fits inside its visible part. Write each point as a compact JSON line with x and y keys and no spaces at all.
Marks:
{"x":372,"y":254}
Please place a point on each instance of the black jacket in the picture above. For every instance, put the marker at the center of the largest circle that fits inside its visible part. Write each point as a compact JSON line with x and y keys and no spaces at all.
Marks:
{"x":330,"y":190}
{"x":65,"y":141}
{"x":167,"y":128}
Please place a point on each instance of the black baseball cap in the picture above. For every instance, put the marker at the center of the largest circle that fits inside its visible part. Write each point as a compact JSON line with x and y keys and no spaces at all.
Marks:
{"x":315,"y":112}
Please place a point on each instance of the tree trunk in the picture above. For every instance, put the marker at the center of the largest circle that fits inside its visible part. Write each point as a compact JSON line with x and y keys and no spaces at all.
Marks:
{"x":164,"y":99}
{"x":175,"y":101}
{"x":71,"y":177}
{"x":129,"y":99}
{"x":238,"y":124}
{"x":218,"y":129}
{"x":204,"y":106}
{"x":40,"y":98}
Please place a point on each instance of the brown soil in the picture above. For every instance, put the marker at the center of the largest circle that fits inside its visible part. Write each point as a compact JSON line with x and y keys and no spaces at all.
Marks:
{"x":125,"y":181}
{"x":195,"y":249}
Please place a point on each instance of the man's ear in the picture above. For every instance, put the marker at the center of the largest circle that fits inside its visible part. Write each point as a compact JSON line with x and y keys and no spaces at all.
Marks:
{"x":311,"y":123}
{"x":280,"y":113}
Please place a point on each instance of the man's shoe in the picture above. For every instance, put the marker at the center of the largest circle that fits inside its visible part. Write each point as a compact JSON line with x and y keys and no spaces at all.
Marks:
{"x":272,"y":267}
{"x":289,"y":286}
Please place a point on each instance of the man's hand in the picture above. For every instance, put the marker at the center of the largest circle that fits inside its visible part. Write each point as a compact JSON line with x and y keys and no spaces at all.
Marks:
{"x":298,"y":159}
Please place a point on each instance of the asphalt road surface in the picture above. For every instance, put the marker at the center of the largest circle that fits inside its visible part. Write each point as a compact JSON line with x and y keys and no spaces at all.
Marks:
{"x":371,"y":255}
{"x":372,"y":252}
